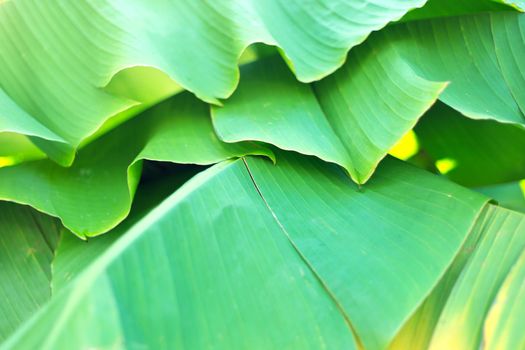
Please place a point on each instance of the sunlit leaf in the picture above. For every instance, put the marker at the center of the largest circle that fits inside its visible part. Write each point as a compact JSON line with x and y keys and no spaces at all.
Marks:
{"x":461,"y":323}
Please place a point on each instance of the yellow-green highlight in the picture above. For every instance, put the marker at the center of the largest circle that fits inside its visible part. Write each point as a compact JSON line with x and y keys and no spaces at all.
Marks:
{"x":405,"y":148}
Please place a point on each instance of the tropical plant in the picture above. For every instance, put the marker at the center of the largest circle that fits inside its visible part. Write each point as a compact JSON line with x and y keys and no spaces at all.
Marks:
{"x":262,"y":174}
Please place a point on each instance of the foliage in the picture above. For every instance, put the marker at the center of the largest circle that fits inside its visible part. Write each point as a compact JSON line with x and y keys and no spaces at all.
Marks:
{"x":260,"y":208}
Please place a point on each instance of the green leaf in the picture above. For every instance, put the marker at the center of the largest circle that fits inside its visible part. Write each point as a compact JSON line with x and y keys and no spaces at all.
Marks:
{"x":16,"y":120}
{"x":510,"y":195}
{"x":27,"y":243}
{"x":72,"y":255}
{"x":348,"y":121}
{"x":503,"y":242}
{"x":67,"y":51}
{"x":362,"y":110}
{"x":417,"y":332}
{"x":38,"y":256}
{"x":95,"y":193}
{"x":16,"y":148}
{"x":373,"y":100}
{"x":316,"y":36}
{"x":486,"y":275}
{"x":449,"y":8}
{"x":461,"y":50}
{"x":271,"y":106}
{"x":481,"y":152}
{"x":296,"y":258}
{"x":475,"y":50}
{"x":234,"y":282}
{"x":504,"y":324}
{"x":508,"y":32}
{"x":391,"y":232}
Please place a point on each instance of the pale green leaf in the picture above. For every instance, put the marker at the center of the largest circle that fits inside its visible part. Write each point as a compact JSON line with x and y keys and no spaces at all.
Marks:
{"x":504,"y":324}
{"x":15,"y":120}
{"x":16,"y":148}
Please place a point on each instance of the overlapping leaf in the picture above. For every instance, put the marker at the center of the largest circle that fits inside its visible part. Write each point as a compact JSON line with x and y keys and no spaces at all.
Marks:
{"x":358,"y":241}
{"x":509,"y":195}
{"x":480,"y":153}
{"x":465,"y":314}
{"x":340,"y":129}
{"x":504,"y":324}
{"x":95,"y":193}
{"x":39,"y":257}
{"x":245,"y":239}
{"x":67,"y":51}
{"x":462,"y":50}
{"x":27,"y":244}
{"x":16,"y":120}
{"x":131,"y":46}
{"x":350,"y":257}
{"x":417,"y":332}
{"x":450,"y":8}
{"x":354,"y":117}
{"x":295,"y":249}
{"x":364,"y":108}
{"x":221,"y":280}
{"x":465,"y":310}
